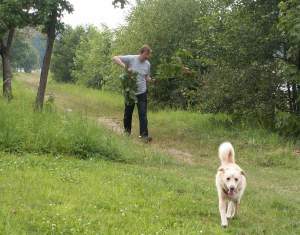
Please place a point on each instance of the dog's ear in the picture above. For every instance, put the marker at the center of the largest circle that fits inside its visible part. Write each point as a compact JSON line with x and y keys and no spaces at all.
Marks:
{"x":243,"y":173}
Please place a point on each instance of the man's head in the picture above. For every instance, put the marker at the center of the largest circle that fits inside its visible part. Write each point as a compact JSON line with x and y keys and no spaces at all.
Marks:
{"x":145,"y":53}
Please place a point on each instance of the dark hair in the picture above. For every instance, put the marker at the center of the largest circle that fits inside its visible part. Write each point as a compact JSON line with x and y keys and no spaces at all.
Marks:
{"x":145,"y":48}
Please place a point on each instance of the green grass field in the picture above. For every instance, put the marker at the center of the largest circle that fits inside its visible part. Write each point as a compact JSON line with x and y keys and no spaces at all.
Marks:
{"x":62,"y":172}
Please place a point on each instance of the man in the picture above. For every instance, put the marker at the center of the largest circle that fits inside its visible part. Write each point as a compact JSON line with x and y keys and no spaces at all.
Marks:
{"x":137,"y":64}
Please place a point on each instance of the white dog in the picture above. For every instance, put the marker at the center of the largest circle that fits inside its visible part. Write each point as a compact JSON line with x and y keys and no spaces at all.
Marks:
{"x":230,"y":182}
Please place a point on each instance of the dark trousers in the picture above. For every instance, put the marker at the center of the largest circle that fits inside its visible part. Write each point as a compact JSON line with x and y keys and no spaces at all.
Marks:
{"x":142,"y":110}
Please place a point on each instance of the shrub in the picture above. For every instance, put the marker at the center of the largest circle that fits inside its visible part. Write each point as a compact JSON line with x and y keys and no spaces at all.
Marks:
{"x":288,"y":124}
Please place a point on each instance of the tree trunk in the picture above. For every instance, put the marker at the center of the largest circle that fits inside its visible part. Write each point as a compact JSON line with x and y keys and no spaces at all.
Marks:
{"x":45,"y":67}
{"x":298,"y":85}
{"x":5,"y":47}
{"x":295,"y":97}
{"x":291,"y":106}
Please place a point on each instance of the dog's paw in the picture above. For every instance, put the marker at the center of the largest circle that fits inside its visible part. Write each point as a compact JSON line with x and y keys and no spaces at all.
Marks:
{"x":224,"y":225}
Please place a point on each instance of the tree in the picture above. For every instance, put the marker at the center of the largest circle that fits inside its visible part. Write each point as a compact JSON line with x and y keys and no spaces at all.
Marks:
{"x":93,"y":58}
{"x":238,"y":43}
{"x":49,"y":15}
{"x":289,"y":25}
{"x":13,"y":14}
{"x":169,"y":27}
{"x":166,"y":25}
{"x":65,"y":47}
{"x":5,"y":45}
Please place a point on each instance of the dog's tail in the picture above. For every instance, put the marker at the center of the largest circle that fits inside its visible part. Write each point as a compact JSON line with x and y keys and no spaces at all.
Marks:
{"x":226,"y":153}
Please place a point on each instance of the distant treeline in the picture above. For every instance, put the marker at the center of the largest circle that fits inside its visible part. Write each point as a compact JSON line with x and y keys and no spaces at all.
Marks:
{"x":28,"y":50}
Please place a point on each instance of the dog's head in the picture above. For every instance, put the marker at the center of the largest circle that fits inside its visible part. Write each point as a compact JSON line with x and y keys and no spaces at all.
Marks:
{"x":231,"y":179}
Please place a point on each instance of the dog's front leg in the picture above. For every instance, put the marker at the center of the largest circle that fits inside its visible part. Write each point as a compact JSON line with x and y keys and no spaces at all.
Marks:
{"x":231,"y":208}
{"x":237,"y":208}
{"x":222,"y":209}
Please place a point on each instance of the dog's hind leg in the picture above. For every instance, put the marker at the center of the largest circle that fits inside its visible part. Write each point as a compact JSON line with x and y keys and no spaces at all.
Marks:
{"x":231,"y":210}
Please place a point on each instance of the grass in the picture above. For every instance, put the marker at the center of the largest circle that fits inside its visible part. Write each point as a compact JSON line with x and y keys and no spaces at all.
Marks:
{"x":59,"y":191}
{"x":60,"y":133}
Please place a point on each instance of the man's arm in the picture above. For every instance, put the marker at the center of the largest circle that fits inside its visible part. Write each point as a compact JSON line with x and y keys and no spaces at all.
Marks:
{"x":118,"y":61}
{"x":124,"y":62}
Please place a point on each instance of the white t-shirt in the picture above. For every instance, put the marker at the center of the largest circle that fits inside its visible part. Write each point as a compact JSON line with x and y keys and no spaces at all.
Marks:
{"x":141,"y":68}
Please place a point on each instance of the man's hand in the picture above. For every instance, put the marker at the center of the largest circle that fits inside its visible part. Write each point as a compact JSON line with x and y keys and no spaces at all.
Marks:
{"x":128,"y":70}
{"x":150,"y":80}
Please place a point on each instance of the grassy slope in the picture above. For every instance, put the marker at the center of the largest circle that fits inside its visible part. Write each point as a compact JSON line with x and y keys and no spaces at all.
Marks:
{"x":65,"y":195}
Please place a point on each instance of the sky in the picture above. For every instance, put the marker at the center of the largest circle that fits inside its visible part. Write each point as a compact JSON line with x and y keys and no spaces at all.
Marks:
{"x":97,"y":12}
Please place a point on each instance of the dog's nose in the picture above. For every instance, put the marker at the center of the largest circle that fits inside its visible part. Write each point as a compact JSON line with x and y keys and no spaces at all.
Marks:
{"x":231,"y":188}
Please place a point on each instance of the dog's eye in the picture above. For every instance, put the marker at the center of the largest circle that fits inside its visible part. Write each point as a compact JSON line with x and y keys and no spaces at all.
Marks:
{"x":228,"y":179}
{"x":236,"y":179}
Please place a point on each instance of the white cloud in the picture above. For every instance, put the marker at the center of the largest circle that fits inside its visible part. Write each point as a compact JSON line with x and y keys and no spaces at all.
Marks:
{"x":97,"y":12}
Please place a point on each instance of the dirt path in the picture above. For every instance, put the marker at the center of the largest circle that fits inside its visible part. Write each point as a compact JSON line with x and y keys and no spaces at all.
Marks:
{"x":113,"y":124}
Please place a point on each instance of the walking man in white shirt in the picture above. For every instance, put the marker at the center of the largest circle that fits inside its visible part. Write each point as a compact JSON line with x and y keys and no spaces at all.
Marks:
{"x":140,"y":65}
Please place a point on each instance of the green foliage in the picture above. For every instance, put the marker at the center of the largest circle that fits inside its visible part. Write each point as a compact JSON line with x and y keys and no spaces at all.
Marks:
{"x":290,"y":21}
{"x":93,"y":58}
{"x":207,"y":59}
{"x":288,"y":124}
{"x":239,"y":44}
{"x":14,"y":14}
{"x":64,"y":52}
{"x":178,"y":85}
{"x":289,"y":26}
{"x":165,"y":25}
{"x":128,"y":82}
{"x":49,"y":13}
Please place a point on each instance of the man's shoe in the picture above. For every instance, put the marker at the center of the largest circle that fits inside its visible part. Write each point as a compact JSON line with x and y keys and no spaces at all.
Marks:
{"x":126,"y":133}
{"x":146,"y":139}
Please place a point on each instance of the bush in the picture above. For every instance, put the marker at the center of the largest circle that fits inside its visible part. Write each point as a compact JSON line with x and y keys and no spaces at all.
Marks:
{"x":178,"y":85}
{"x":288,"y":124}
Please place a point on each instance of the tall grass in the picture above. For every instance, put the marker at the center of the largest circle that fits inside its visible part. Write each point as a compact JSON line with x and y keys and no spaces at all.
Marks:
{"x":60,"y":133}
